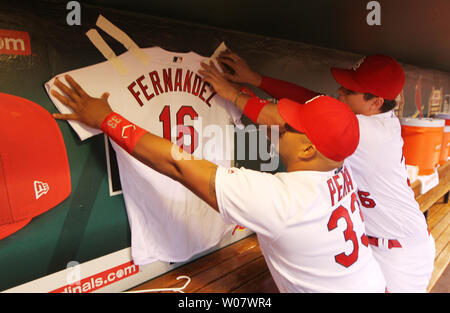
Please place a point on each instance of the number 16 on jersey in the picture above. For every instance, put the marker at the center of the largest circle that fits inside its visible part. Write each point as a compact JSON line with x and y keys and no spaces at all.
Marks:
{"x":182,"y":130}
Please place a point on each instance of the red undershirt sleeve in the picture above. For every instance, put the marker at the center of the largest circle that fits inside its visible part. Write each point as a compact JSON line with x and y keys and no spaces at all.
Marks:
{"x":281,"y":89}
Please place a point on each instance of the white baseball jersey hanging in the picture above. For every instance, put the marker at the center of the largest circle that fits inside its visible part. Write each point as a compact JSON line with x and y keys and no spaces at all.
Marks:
{"x":161,"y":92}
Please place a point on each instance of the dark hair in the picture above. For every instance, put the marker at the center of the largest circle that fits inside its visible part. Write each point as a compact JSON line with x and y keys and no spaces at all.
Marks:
{"x":291,"y":129}
{"x":387,"y":104}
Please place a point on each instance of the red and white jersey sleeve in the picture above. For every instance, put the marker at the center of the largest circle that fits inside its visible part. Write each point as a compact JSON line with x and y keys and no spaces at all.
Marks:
{"x":387,"y":200}
{"x":309,"y":227}
{"x":167,"y":221}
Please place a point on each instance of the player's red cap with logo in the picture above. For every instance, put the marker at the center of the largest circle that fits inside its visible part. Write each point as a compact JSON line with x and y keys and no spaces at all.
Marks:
{"x":328,"y":123}
{"x":34,"y":169}
{"x":378,"y":74}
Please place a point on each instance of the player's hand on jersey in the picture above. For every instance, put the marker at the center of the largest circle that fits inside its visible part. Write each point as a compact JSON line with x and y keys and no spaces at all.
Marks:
{"x":221,"y":85}
{"x":86,"y":109}
{"x":240,"y":71}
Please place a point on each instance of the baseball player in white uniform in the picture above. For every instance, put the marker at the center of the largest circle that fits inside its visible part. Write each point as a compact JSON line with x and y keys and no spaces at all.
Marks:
{"x":396,"y":228}
{"x":308,"y":220}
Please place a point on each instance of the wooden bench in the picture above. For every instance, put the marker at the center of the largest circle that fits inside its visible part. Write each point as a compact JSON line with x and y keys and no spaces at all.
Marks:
{"x":438,"y":223}
{"x":434,"y":204}
{"x":428,"y":199}
{"x":240,"y":267}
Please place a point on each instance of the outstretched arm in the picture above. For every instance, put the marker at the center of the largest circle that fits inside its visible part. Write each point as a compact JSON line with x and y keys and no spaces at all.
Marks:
{"x":156,"y":152}
{"x":242,"y":73}
{"x":268,"y":115}
{"x":281,"y":89}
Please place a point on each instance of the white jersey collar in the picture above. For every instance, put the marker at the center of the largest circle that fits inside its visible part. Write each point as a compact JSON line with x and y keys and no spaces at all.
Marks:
{"x":388,"y":114}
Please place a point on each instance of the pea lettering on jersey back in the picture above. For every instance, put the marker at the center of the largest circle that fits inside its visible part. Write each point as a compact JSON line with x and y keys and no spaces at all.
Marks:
{"x":340,"y":185}
{"x":146,"y":87}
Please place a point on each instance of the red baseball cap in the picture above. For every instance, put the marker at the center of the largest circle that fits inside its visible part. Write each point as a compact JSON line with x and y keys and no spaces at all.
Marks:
{"x":34,"y":169}
{"x":378,"y":74}
{"x":330,"y":124}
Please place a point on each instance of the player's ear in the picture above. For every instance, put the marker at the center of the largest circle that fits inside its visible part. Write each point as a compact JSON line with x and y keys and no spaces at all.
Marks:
{"x":376,"y":104}
{"x":308,"y":151}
